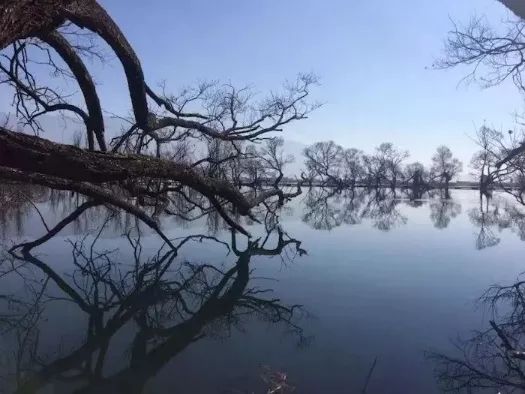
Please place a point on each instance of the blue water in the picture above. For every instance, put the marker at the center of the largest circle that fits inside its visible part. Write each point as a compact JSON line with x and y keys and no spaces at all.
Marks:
{"x":385,"y":280}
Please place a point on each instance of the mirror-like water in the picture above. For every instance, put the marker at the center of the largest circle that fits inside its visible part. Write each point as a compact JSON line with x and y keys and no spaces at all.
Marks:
{"x":349,"y":292}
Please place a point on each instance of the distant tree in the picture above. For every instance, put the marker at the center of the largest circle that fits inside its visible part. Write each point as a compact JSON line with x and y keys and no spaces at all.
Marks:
{"x":393,"y":159}
{"x":323,"y":161}
{"x":384,"y":165}
{"x":352,"y":166}
{"x":273,"y":159}
{"x":445,"y":167}
{"x":374,"y":170}
{"x":253,"y":170}
{"x":484,"y":161}
{"x":417,"y":178}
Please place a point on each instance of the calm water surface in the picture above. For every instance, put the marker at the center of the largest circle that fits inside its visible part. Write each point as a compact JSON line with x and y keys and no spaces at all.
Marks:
{"x":351,"y":295}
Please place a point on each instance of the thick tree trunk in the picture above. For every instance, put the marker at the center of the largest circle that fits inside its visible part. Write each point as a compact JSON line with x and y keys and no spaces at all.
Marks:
{"x":28,"y":18}
{"x":95,"y":125}
{"x":40,"y":157}
{"x":516,"y":6}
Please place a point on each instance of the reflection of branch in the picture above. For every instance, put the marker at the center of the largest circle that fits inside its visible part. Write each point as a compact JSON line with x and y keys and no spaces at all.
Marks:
{"x":86,"y":189}
{"x":489,"y":359}
{"x":369,"y":376}
{"x":505,"y":342}
{"x":171,"y":308}
{"x":55,"y":230}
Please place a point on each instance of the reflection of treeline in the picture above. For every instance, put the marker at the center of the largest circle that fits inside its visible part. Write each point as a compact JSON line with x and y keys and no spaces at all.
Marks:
{"x":327,"y":208}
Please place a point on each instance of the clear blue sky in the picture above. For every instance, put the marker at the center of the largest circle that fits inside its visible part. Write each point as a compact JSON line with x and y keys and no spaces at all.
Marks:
{"x":374,"y":59}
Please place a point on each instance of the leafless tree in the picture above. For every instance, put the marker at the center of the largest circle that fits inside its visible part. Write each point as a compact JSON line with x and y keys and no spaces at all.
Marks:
{"x":375,"y":169}
{"x":151,"y":157}
{"x":324,"y":162}
{"x":445,"y":166}
{"x":417,"y":179}
{"x":384,"y":166}
{"x":494,"y":55}
{"x":274,"y":160}
{"x":484,"y":161}
{"x":353,"y":169}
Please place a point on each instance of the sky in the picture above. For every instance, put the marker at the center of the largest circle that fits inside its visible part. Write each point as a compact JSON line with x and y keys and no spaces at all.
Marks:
{"x":374,"y":59}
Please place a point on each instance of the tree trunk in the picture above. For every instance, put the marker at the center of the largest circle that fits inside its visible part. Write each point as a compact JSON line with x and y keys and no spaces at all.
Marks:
{"x":28,"y":18}
{"x":516,"y":6}
{"x":35,"y":155}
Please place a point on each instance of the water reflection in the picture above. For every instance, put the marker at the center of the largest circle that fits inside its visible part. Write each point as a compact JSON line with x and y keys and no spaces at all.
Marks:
{"x":330,"y":208}
{"x":442,"y":211}
{"x":492,"y":358}
{"x":136,"y":302}
{"x":495,"y":215}
{"x":166,"y":302}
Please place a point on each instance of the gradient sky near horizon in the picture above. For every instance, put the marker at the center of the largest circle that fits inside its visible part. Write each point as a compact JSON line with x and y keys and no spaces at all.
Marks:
{"x":373,"y":57}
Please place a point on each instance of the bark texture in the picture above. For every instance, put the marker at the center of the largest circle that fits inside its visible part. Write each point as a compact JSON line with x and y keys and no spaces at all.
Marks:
{"x":35,"y":155}
{"x":29,"y":18}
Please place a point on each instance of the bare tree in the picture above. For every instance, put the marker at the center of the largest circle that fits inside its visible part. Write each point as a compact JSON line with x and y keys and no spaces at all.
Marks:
{"x":484,"y":161}
{"x":417,"y":178}
{"x":151,"y":156}
{"x":384,"y":166}
{"x":375,"y":170}
{"x":494,"y":55}
{"x":445,"y":167}
{"x":353,"y":169}
{"x":324,"y":161}
{"x":393,"y":160}
{"x":274,"y":160}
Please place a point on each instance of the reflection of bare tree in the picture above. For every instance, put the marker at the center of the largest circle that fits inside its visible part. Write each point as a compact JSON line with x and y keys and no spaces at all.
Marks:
{"x":382,"y":209}
{"x":169,"y":302}
{"x":330,"y":208}
{"x":491,"y":359}
{"x":326,"y":209}
{"x":442,"y":211}
{"x":16,"y":201}
{"x":486,"y":217}
{"x":496,"y":215}
{"x":515,"y":219}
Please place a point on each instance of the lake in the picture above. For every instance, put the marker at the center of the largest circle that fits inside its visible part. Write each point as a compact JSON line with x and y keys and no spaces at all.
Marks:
{"x":345,"y":292}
